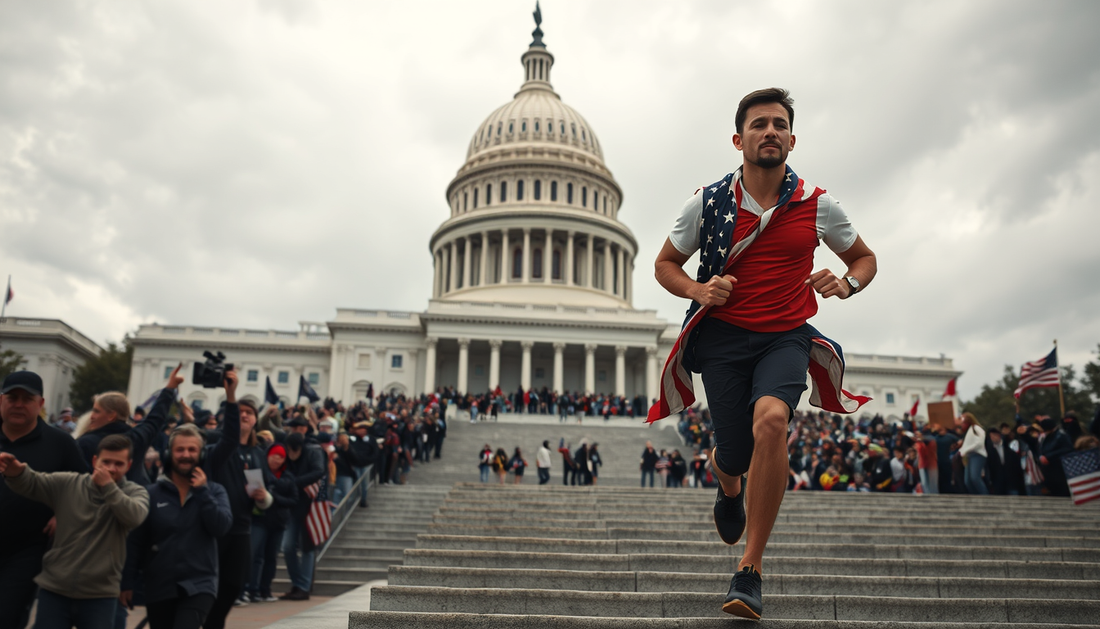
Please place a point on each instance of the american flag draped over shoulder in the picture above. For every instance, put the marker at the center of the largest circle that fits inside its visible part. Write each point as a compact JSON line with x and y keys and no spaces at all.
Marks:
{"x":1039,"y":373}
{"x":717,"y":252}
{"x":1083,"y":475}
{"x":319,"y":520}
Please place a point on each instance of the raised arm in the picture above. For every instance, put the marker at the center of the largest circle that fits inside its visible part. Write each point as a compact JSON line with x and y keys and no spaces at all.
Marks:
{"x":28,"y":483}
{"x":231,"y":431}
{"x":142,"y":435}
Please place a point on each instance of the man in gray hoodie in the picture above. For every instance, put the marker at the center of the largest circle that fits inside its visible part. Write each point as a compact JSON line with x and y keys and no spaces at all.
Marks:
{"x":80,"y":577}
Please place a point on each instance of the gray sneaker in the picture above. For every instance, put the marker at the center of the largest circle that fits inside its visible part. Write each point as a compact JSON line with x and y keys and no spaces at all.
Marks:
{"x":745,"y":598}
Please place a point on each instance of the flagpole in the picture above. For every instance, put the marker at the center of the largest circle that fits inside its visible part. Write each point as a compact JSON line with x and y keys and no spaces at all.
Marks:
{"x":7,"y":291}
{"x":1061,"y":397}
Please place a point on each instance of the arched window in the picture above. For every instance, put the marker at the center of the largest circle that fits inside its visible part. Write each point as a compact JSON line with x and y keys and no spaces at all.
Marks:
{"x":563,"y":127}
{"x":595,"y":205}
{"x":556,"y":265}
{"x":573,"y":126}
{"x":536,"y":126}
{"x":503,"y":191}
{"x":519,"y":190}
{"x":536,"y":264}
{"x":538,"y":190}
{"x":511,"y":126}
{"x":465,"y":198}
{"x":553,"y":191}
{"x":500,"y":128}
{"x":605,"y":204}
{"x":517,"y":263}
{"x":584,"y":196}
{"x":489,"y":194}
{"x":475,"y":198}
{"x":540,"y":69}
{"x":583,"y":136}
{"x":568,"y":193}
{"x":523,"y":127}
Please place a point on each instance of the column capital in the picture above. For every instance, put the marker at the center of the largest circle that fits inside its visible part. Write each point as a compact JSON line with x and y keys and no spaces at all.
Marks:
{"x":495,"y":343}
{"x":526,"y":231}
{"x":559,"y":346}
{"x":431,"y":341}
{"x":378,"y":350}
{"x":620,"y":350}
{"x":590,"y":348}
{"x":527,"y":345}
{"x":651,"y":352}
{"x":571,"y":232}
{"x":463,"y":343}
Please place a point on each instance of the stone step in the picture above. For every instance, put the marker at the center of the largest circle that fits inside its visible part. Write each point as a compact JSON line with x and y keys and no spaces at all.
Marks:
{"x":775,"y":548}
{"x":693,"y":605}
{"x":403,"y":620}
{"x":281,"y":584}
{"x":1049,"y":541}
{"x":727,"y":564}
{"x":701,"y":524}
{"x":779,"y":583}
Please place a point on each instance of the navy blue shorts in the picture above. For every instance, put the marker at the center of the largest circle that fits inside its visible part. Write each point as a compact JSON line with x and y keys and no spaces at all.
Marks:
{"x":739,"y":367}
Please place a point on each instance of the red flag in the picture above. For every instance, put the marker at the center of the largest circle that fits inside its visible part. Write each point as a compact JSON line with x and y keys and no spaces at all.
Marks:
{"x":950,"y":391}
{"x":916,"y":403}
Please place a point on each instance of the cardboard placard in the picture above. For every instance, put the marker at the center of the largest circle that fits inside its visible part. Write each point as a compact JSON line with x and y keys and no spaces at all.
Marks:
{"x":942,"y":414}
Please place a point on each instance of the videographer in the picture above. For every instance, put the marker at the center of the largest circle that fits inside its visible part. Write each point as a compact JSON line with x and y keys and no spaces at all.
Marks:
{"x":225,"y":463}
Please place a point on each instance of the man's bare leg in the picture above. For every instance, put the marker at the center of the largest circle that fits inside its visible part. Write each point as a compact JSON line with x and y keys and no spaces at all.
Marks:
{"x":767,"y":480}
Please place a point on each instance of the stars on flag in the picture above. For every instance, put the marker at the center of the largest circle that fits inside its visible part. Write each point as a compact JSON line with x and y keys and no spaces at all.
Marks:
{"x":722,"y":251}
{"x":728,"y":217}
{"x":710,"y":202}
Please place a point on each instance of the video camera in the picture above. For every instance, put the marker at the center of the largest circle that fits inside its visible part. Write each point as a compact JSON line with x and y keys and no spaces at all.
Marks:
{"x":211,"y":374}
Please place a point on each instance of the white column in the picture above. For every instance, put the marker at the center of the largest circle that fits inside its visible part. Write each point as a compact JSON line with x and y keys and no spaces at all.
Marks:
{"x":505,"y":258}
{"x":567,"y":270}
{"x":588,"y":267}
{"x":494,"y":363}
{"x":620,"y":370}
{"x":558,"y":375}
{"x":608,"y":268}
{"x":547,"y":258}
{"x":590,"y":367}
{"x":451,"y":279}
{"x":622,"y":273}
{"x":630,"y":279}
{"x":651,"y":381}
{"x":463,"y":365}
{"x":466,"y":266}
{"x":526,"y":255}
{"x":525,"y":369}
{"x":483,"y":274}
{"x":435,"y":274}
{"x":429,"y":366}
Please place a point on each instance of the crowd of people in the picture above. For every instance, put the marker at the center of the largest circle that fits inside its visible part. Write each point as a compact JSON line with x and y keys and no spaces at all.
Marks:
{"x":183,"y":510}
{"x":565,"y":405}
{"x":579,"y":467}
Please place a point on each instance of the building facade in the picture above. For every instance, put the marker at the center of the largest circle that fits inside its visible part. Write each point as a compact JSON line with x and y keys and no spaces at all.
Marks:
{"x":532,"y":287}
{"x":51,"y":348}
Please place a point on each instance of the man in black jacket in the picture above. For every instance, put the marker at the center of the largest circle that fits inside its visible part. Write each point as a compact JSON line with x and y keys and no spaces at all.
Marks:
{"x":306,"y":462}
{"x":1052,"y":445}
{"x":365,"y":448}
{"x":23,"y":539}
{"x":177,"y":544}
{"x":1002,"y":464}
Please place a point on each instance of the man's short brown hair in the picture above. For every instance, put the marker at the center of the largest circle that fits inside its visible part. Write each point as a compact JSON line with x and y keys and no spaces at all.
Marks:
{"x":769,"y":95}
{"x":115,"y":443}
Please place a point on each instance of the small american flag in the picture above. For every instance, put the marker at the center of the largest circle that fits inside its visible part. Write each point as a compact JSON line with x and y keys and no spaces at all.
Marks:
{"x":1083,"y":474}
{"x":1039,"y":373}
{"x":319,"y":520}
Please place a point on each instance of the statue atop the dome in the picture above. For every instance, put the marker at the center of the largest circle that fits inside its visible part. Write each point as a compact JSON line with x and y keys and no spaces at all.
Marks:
{"x":537,"y":33}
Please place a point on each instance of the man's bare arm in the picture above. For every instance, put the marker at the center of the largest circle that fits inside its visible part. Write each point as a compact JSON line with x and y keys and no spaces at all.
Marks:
{"x":669,"y":271}
{"x":862,"y":265}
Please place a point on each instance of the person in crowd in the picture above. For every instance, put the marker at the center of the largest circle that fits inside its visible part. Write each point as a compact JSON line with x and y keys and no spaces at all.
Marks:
{"x":81,"y":574}
{"x":594,"y":462}
{"x":928,"y":465}
{"x":582,"y":471}
{"x":25,"y":539}
{"x":648,"y":464}
{"x":307,"y":466}
{"x":663,"y":467}
{"x":500,"y":464}
{"x":485,"y":462}
{"x":269,"y":526}
{"x":65,"y":421}
{"x":346,"y":462}
{"x":1002,"y":466}
{"x":177,"y":545}
{"x":946,"y":443}
{"x":973,"y":454}
{"x":516,"y":465}
{"x":678,"y":470}
{"x":1051,"y":444}
{"x":542,"y":462}
{"x":365,"y":449}
{"x":568,"y":465}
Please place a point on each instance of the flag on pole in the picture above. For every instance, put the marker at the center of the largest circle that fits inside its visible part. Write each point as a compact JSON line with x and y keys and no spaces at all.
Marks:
{"x":304,"y":390}
{"x":319,"y":520}
{"x":913,"y":411}
{"x":950,"y":391}
{"x":9,"y":294}
{"x":1083,"y":474}
{"x":269,"y":393}
{"x":1039,"y":373}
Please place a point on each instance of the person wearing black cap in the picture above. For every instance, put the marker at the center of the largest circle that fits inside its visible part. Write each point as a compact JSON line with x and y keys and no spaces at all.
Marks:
{"x":1052,"y":444}
{"x":306,"y":463}
{"x":23,"y":539}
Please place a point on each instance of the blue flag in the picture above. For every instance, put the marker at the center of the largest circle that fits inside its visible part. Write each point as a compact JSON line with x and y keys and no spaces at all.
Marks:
{"x":304,"y":390}
{"x":269,"y":393}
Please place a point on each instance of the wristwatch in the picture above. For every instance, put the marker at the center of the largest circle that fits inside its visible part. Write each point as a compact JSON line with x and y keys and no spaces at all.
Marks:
{"x":853,"y":283}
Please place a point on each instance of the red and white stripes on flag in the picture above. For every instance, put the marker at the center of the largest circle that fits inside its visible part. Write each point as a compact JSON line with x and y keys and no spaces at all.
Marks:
{"x":319,"y":519}
{"x":1039,"y":373}
{"x":1083,"y":475}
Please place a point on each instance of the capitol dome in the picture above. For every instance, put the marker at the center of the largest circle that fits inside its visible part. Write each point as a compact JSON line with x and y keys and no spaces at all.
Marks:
{"x":534,"y":209}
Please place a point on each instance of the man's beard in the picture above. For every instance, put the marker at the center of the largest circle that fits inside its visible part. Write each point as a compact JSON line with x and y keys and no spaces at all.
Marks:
{"x":184,"y":467}
{"x":769,"y":162}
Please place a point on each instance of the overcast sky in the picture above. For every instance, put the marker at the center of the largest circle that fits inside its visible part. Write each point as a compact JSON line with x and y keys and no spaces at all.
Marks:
{"x":261,"y":163}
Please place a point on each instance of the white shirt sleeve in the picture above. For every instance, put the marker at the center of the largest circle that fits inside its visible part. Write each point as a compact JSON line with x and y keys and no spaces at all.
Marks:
{"x":685,"y":233}
{"x":833,"y":226}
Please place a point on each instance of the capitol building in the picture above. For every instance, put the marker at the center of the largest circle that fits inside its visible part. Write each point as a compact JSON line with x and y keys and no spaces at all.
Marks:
{"x":533,"y":287}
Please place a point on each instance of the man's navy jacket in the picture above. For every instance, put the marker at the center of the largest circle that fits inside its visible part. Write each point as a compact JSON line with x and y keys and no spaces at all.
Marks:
{"x":177,"y":546}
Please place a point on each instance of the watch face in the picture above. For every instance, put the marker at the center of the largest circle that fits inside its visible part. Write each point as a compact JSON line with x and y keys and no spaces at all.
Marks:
{"x":854,"y":283}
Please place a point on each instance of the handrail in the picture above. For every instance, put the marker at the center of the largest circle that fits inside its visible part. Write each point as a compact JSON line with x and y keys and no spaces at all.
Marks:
{"x":344,"y":510}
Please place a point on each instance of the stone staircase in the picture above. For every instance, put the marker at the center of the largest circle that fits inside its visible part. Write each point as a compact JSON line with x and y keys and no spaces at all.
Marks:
{"x":556,"y":556}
